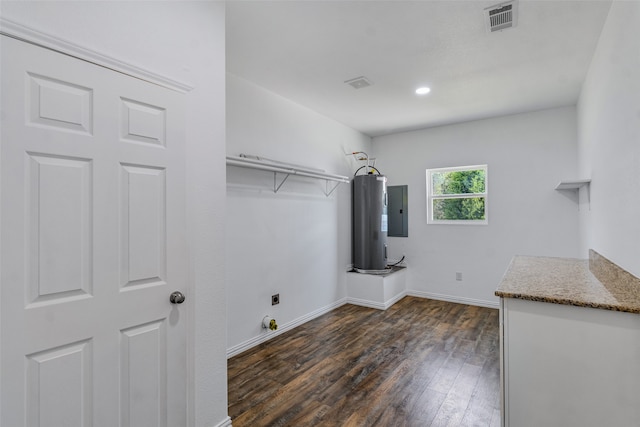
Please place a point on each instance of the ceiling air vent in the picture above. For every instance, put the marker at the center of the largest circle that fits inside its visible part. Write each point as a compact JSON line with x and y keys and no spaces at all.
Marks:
{"x":359,"y":82}
{"x":501,"y":16}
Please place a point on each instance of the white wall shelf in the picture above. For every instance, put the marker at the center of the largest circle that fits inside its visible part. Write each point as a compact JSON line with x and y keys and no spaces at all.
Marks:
{"x":576,"y":185}
{"x":572,"y":185}
{"x":286,"y":170}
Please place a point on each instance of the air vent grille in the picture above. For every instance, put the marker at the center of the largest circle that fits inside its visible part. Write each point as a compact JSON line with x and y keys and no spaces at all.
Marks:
{"x":501,"y":16}
{"x":359,"y":82}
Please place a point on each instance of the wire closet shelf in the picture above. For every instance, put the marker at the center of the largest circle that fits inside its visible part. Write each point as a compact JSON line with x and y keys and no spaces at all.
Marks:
{"x":332,"y":181}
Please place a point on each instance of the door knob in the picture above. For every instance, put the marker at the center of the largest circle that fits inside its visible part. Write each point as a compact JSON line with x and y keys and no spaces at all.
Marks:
{"x":176,"y":297}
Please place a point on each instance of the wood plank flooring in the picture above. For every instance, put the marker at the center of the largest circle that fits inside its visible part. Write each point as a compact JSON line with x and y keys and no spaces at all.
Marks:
{"x":420,"y":363}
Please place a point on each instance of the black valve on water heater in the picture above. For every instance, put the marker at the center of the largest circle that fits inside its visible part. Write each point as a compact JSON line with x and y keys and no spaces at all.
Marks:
{"x":370,"y":223}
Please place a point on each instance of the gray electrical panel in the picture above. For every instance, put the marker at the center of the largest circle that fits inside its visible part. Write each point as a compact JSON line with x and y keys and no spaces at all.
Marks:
{"x":398,"y":211}
{"x":370,"y":223}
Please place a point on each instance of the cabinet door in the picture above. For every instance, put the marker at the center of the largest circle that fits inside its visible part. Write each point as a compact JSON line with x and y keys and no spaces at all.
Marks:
{"x":570,"y":366}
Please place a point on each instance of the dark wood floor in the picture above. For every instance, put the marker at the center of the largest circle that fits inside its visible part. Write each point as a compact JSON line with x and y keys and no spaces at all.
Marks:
{"x":420,"y":363}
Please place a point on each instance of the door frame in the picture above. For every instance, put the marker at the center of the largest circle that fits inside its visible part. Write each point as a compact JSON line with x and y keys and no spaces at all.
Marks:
{"x":18,"y":31}
{"x":47,"y":41}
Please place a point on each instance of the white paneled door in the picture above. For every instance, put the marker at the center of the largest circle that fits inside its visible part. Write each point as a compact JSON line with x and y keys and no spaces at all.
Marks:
{"x":92,"y":245}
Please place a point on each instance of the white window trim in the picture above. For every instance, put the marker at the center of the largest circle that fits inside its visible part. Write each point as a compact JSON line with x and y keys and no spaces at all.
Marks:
{"x":431,"y":197}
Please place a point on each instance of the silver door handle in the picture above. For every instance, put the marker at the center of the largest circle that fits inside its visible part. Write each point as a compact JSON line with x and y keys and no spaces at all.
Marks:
{"x":177,"y":297}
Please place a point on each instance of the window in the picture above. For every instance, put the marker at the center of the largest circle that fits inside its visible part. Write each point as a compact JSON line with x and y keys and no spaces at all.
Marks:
{"x":457,"y":195}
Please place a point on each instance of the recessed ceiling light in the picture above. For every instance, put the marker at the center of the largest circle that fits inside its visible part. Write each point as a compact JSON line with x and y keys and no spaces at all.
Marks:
{"x":423,"y":90}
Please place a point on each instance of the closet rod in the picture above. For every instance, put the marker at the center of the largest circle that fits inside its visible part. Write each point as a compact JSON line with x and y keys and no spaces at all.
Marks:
{"x":261,"y":165}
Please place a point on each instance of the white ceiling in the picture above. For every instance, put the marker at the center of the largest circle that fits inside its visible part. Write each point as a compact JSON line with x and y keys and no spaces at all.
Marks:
{"x":305,"y":50}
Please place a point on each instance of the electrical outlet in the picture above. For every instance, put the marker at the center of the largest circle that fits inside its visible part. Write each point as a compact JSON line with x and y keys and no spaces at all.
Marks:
{"x":459,"y":277}
{"x":275,"y":299}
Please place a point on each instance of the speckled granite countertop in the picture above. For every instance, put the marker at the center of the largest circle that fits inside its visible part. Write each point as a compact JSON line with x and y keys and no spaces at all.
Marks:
{"x":566,"y":281}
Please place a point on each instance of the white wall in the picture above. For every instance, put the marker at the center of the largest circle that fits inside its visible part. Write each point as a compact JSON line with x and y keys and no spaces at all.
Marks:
{"x":184,"y":41}
{"x":527,"y":155}
{"x":296,"y":242}
{"x":609,"y":141}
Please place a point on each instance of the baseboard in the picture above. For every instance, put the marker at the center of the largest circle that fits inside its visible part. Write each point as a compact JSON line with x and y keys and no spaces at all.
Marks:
{"x":366,"y":303}
{"x":224,"y":423}
{"x":452,"y":298}
{"x":244,"y":346}
{"x":374,"y":304}
{"x":395,"y":299}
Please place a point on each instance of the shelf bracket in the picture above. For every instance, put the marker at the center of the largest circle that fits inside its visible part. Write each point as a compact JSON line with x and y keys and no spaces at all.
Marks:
{"x":277,"y":186}
{"x":328,"y":192}
{"x":576,"y":186}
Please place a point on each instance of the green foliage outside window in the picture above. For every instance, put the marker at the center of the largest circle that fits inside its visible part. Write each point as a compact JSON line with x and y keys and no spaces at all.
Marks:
{"x":463,"y":183}
{"x":458,"y":182}
{"x":457,"y":209}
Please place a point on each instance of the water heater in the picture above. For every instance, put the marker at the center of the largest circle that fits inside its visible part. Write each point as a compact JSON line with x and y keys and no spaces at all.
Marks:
{"x":370,"y":223}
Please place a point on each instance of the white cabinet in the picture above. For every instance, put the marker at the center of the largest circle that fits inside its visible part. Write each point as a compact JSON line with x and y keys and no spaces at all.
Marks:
{"x":568,"y":366}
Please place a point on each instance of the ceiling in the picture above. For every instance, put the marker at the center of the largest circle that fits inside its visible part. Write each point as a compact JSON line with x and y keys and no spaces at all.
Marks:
{"x":306,"y":50}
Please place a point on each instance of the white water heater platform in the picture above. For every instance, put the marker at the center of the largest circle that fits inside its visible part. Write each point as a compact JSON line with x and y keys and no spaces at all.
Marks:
{"x":379,"y":291}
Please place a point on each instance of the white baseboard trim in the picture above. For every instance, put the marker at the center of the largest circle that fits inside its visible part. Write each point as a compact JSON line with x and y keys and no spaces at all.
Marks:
{"x":244,"y":346}
{"x":366,"y":303}
{"x":395,"y":299}
{"x":375,"y":304}
{"x":224,"y":423}
{"x":452,"y":298}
